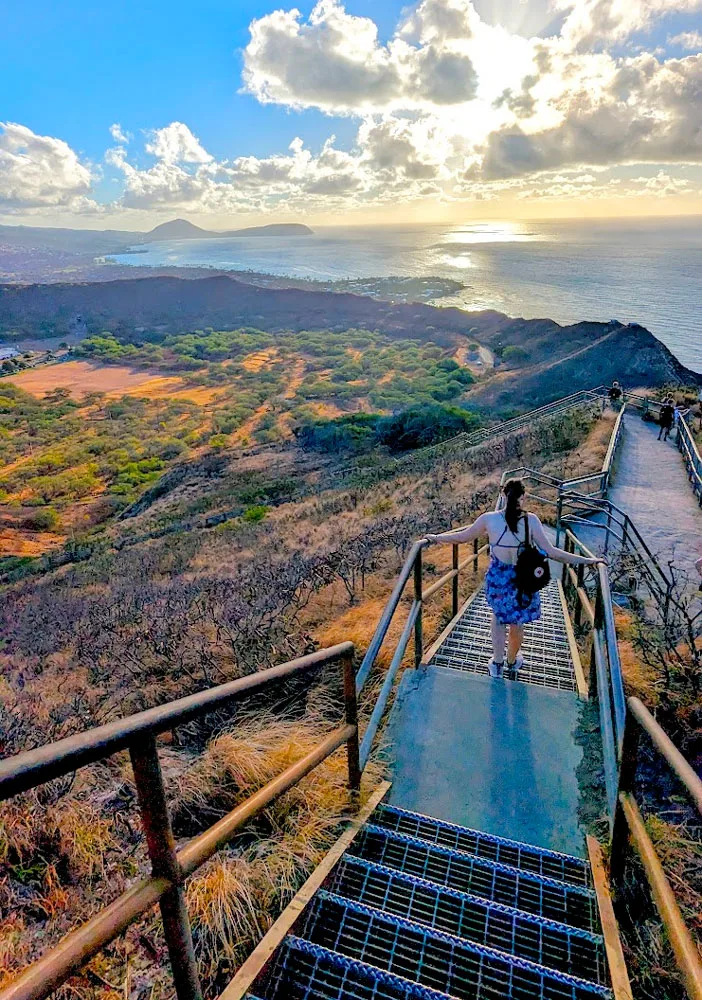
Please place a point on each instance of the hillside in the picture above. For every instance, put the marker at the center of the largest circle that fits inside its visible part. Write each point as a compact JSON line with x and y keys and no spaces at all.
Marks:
{"x":244,"y":561}
{"x":540,"y":347}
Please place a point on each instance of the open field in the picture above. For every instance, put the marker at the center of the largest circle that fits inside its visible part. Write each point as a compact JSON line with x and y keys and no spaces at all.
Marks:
{"x":84,"y":377}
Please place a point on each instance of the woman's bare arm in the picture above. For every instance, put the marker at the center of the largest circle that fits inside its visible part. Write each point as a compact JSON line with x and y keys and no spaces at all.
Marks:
{"x":474,"y":530}
{"x":540,"y":538}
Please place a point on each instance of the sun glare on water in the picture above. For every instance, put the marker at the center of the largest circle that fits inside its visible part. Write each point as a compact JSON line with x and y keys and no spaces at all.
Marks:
{"x":491,"y":232}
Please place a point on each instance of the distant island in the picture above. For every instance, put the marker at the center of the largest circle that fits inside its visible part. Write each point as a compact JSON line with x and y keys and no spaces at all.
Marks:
{"x":181,"y":229}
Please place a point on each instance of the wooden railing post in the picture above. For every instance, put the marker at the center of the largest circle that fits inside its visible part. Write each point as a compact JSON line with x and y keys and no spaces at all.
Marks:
{"x":418,"y":631}
{"x":454,"y":583}
{"x":164,"y":864}
{"x":351,"y":709}
{"x":627,"y":775}
{"x":475,"y":557}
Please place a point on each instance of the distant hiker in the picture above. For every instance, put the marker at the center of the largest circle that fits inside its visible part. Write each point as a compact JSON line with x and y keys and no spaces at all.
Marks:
{"x":518,"y":570}
{"x":666,"y":418}
{"x":615,"y":394}
{"x":678,"y":412}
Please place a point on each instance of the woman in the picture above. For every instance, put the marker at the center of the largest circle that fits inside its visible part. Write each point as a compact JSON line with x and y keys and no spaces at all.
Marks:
{"x":506,"y":531}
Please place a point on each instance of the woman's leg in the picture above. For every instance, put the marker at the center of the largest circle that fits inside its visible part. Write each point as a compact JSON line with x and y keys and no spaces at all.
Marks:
{"x":516,"y":635}
{"x":498,"y":631}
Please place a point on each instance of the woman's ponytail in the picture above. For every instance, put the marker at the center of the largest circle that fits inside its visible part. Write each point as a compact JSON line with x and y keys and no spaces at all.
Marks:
{"x":513,"y":491}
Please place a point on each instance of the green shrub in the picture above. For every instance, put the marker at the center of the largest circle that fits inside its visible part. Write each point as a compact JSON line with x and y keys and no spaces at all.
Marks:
{"x":255,"y":514}
{"x":423,"y":425}
{"x":44,"y":519}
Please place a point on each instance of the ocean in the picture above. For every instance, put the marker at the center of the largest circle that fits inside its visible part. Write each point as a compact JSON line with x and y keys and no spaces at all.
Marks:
{"x":644,"y":271}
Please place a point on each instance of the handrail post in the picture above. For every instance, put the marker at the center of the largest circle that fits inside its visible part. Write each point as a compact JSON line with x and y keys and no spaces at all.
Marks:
{"x":627,"y":775}
{"x":351,"y":711}
{"x":569,"y":547}
{"x":454,"y":582}
{"x":578,"y":614}
{"x":475,"y":557}
{"x":592,"y":693}
{"x":164,"y":864}
{"x":418,"y":631}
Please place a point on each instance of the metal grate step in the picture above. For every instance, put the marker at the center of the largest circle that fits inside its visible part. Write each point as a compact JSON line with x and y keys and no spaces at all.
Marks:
{"x":545,"y":942}
{"x":433,"y":958}
{"x":305,"y":971}
{"x":510,"y":852}
{"x":547,"y":658}
{"x":491,"y":880}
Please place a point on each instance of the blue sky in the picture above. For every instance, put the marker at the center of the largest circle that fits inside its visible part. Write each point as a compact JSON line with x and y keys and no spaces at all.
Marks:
{"x":444,"y":104}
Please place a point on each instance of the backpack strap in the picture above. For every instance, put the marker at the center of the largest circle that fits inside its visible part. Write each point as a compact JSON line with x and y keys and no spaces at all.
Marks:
{"x":527,"y":542}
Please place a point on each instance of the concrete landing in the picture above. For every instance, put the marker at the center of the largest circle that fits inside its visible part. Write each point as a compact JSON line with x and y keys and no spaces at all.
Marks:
{"x":497,"y":756}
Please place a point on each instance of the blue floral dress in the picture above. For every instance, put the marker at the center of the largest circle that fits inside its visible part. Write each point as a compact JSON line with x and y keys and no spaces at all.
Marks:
{"x":510,"y":607}
{"x":504,"y":599}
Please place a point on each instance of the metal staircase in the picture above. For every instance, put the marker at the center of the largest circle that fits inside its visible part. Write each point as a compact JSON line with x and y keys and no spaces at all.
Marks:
{"x":548,"y":654}
{"x":420,"y":908}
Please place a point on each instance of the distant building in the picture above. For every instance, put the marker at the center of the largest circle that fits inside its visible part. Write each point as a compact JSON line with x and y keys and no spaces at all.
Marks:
{"x":8,"y":352}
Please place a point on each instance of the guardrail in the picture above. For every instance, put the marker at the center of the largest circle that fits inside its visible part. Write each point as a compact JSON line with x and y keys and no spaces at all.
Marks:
{"x":137,"y":734}
{"x":628,"y":821}
{"x":621,"y":723}
{"x":691,"y":456}
{"x":523,"y":419}
{"x":574,"y":509}
{"x":413,"y":567}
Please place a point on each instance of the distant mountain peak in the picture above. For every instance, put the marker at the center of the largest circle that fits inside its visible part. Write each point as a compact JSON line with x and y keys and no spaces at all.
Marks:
{"x":178,"y":229}
{"x":181,"y":229}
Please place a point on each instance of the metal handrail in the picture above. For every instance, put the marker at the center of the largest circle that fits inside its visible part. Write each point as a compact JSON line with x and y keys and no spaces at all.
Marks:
{"x":621,"y":721}
{"x":138,"y":733}
{"x":514,"y":423}
{"x":691,"y":456}
{"x":629,"y":822}
{"x":412,"y":567}
{"x":388,"y":612}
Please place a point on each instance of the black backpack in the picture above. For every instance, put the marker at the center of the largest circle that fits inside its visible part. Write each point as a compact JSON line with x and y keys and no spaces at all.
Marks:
{"x":533,"y":572}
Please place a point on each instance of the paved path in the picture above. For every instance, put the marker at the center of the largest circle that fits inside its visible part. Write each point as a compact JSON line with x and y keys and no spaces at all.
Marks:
{"x":650,"y":484}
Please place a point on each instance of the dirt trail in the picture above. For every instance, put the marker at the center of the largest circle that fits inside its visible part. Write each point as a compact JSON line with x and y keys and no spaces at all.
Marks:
{"x":545,"y":366}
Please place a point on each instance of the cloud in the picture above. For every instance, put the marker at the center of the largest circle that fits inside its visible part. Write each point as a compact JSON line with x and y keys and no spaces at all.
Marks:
{"x":118,"y":134}
{"x":391,"y":158}
{"x":448,"y":107}
{"x":648,"y":112}
{"x":176,"y":144}
{"x":335,"y":61}
{"x":39,"y":171}
{"x":593,"y":22}
{"x":687,"y":40}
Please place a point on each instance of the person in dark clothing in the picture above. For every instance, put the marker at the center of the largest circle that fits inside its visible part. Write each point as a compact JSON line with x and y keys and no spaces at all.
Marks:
{"x":615,"y":393}
{"x":666,"y":418}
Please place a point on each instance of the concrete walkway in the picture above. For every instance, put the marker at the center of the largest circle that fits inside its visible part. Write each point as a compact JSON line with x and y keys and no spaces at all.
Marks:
{"x":650,"y":484}
{"x":492,"y":755}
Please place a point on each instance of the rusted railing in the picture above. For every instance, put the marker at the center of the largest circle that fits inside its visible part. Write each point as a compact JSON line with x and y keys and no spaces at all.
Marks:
{"x":629,"y":822}
{"x":137,"y":734}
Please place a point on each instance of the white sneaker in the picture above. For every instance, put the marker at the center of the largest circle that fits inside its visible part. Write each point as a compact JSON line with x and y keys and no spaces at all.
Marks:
{"x":513,"y":669}
{"x":494,"y":669}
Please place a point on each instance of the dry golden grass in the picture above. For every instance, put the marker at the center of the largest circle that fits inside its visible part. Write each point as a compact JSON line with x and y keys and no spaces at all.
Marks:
{"x":639,"y":677}
{"x":235,"y":898}
{"x":257,"y":360}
